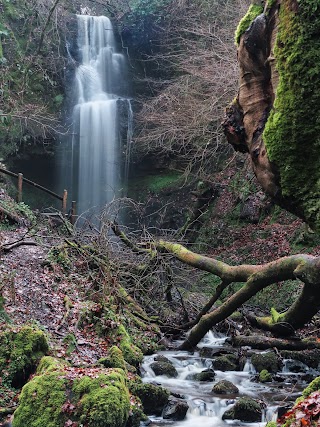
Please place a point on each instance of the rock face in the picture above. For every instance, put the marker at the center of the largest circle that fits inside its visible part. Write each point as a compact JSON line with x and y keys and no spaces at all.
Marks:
{"x":274,"y":117}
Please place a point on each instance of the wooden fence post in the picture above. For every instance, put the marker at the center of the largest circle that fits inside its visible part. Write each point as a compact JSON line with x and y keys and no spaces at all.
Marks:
{"x":20,"y":182}
{"x":64,"y":201}
{"x":73,"y":212}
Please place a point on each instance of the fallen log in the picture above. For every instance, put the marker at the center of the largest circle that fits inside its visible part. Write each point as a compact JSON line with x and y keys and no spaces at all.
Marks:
{"x":262,"y":343}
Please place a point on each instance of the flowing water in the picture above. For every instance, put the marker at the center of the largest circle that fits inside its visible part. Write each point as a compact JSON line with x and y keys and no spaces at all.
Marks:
{"x":205,"y":407}
{"x":94,"y":162}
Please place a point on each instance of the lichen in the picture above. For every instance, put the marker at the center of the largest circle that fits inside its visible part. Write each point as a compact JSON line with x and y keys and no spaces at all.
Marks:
{"x":253,"y":11}
{"x":292,"y":132}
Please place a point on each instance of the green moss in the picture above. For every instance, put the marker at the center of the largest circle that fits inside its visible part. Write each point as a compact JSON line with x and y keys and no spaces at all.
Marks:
{"x":49,"y":364}
{"x":83,"y":396}
{"x":313,"y":386}
{"x":153,"y":397}
{"x":114,"y":359}
{"x":20,"y":351}
{"x":265,"y":376}
{"x":292,"y":131}
{"x":41,"y":402}
{"x":132,"y":354}
{"x":104,"y":401}
{"x":253,"y":11}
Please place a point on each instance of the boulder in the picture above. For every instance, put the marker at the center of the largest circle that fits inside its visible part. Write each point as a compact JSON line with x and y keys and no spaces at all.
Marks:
{"x":153,"y":397}
{"x":164,"y":368}
{"x":228,"y":362}
{"x":246,"y":409}
{"x":175,"y":409}
{"x":268,"y":361}
{"x":204,"y":376}
{"x":225,"y":387}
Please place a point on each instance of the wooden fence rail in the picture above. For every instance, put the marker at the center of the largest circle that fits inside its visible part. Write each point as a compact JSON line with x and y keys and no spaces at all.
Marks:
{"x":63,"y":198}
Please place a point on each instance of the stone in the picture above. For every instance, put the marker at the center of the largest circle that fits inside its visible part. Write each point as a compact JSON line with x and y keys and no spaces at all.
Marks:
{"x":175,"y":409}
{"x":225,"y":387}
{"x":246,"y":410}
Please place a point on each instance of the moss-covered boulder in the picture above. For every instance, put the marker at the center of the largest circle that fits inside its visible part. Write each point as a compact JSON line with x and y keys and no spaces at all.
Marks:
{"x":114,"y":359}
{"x":228,"y":362}
{"x":265,"y":376}
{"x":153,"y":397}
{"x":164,"y":368}
{"x":21,"y":348}
{"x":61,"y":395}
{"x":246,"y":410}
{"x":310,"y":357}
{"x":225,"y":387}
{"x":204,"y":376}
{"x":268,"y":361}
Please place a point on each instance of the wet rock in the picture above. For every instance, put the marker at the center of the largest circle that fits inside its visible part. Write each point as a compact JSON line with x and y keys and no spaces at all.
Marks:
{"x":265,"y":376}
{"x":246,"y":410}
{"x":153,"y":397}
{"x":175,"y":409}
{"x":229,"y":362}
{"x":204,"y":376}
{"x":164,"y":368}
{"x":268,"y":361}
{"x":225,"y":387}
{"x":296,"y":366}
{"x":310,"y":357}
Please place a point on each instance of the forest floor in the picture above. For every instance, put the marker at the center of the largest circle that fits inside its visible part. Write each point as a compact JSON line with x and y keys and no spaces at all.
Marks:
{"x":37,"y":289}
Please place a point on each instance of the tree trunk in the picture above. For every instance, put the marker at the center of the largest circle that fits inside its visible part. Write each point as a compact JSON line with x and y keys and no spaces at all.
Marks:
{"x":275,"y":114}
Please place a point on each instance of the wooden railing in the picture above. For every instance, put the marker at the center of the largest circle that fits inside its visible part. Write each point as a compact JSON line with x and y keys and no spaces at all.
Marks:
{"x":63,"y":198}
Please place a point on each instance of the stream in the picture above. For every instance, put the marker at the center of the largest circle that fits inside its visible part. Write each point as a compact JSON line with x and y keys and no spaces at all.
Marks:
{"x":207,"y":408}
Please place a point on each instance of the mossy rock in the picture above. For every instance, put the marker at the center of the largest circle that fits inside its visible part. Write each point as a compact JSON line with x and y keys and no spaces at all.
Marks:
{"x":131,"y":353}
{"x":268,"y":361}
{"x":114,"y":359}
{"x":246,"y":410}
{"x":265,"y":376}
{"x":228,"y":362}
{"x":153,"y":397}
{"x":21,"y":348}
{"x":96,"y":397}
{"x":164,"y":368}
{"x":309,"y":357}
{"x":204,"y":376}
{"x":225,"y":387}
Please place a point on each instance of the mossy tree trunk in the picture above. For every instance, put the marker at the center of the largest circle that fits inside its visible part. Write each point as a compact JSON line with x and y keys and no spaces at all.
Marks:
{"x":255,"y":278}
{"x":275,"y":116}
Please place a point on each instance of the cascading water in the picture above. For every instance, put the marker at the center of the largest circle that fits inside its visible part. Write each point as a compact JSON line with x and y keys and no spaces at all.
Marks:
{"x":100,"y":88}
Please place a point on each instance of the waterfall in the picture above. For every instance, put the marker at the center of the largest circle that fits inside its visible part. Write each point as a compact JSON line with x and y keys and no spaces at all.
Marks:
{"x":100,"y":89}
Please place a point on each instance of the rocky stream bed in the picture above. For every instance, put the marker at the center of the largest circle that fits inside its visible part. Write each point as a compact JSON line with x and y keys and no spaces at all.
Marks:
{"x":219,"y":385}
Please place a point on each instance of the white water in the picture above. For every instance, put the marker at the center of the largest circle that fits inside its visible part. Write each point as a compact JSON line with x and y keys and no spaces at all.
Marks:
{"x":206,"y":408}
{"x":99,"y":86}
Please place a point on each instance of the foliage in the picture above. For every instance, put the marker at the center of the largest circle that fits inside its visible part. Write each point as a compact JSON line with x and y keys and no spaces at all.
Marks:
{"x":253,"y":11}
{"x":305,"y":413}
{"x":294,"y":116}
